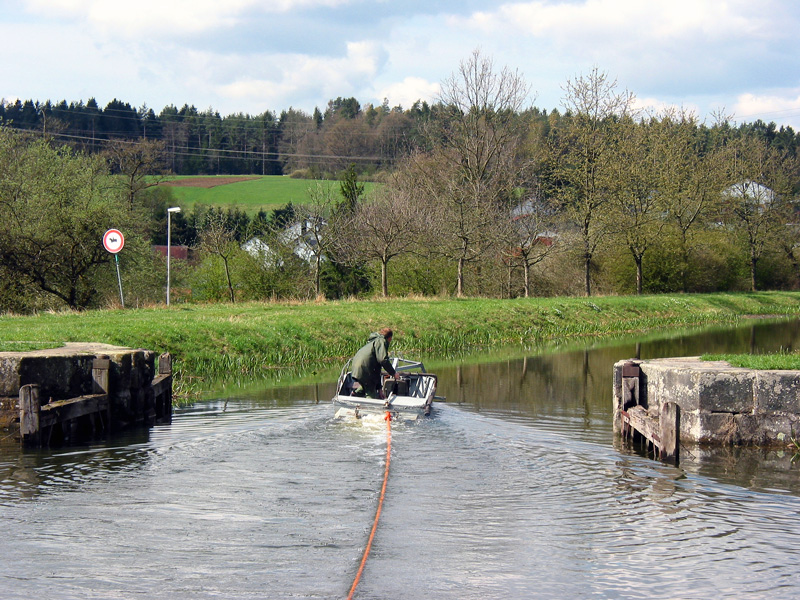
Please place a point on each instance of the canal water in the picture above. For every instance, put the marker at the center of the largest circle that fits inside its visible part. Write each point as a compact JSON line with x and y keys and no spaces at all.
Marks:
{"x":515,"y":488}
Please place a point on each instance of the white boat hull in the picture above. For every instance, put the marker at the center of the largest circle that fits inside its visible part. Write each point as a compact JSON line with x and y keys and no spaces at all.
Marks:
{"x":408,"y":396}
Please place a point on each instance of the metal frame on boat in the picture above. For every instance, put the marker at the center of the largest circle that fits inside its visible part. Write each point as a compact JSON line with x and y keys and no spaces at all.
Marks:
{"x":408,"y":395}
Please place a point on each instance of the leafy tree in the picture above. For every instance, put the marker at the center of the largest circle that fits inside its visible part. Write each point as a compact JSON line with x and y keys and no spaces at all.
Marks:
{"x":120,"y":120}
{"x":54,"y":209}
{"x":636,"y":210}
{"x":581,"y":158}
{"x":351,"y":189}
{"x":280,"y":218}
{"x":294,"y":126}
{"x":217,"y":239}
{"x":690,"y":175}
{"x":347,"y":108}
{"x":761,"y":181}
{"x":341,"y":280}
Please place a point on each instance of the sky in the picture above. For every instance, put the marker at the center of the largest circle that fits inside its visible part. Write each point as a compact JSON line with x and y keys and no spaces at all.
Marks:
{"x":737,"y":58}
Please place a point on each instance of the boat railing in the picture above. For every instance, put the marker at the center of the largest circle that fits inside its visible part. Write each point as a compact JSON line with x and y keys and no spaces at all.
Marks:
{"x":402,"y":364}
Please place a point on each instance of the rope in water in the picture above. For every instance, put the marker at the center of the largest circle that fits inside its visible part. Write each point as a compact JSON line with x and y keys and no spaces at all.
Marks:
{"x":388,"y":419}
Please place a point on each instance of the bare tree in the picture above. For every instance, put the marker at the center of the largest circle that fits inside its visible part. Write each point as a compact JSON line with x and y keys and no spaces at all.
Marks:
{"x":531,"y":237}
{"x":310,"y":232}
{"x":381,"y":228}
{"x":459,"y":226}
{"x":140,"y":165}
{"x":474,"y":168}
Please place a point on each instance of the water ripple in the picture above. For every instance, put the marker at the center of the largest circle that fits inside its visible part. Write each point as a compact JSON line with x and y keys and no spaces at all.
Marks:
{"x":248,"y":499}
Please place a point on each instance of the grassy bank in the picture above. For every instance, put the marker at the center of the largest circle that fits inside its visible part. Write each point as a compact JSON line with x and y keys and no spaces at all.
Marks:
{"x":778,"y":361}
{"x":222,"y":340}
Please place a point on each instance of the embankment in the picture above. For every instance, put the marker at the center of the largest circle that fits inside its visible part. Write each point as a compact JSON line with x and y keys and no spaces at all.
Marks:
{"x":220,"y":340}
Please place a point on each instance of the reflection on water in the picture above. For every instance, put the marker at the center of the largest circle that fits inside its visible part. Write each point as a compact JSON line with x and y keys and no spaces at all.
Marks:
{"x":516,"y":488}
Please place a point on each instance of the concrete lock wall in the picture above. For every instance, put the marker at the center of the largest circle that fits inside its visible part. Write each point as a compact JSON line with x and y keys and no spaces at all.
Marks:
{"x":719,"y":404}
{"x":138,"y":387}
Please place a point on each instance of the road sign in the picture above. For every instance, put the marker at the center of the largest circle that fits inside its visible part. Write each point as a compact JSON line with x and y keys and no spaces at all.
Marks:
{"x":113,"y":240}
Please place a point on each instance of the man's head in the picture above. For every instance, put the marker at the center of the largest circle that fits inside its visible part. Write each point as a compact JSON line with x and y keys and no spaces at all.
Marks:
{"x":386,"y":333}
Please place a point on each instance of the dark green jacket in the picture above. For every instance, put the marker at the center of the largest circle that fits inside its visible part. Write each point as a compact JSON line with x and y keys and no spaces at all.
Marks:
{"x":369,"y":359}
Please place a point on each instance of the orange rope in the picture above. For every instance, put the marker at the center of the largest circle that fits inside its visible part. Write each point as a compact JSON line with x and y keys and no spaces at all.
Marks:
{"x":388,"y":418}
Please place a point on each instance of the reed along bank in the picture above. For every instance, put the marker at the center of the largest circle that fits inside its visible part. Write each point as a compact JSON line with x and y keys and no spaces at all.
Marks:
{"x":213,"y":341}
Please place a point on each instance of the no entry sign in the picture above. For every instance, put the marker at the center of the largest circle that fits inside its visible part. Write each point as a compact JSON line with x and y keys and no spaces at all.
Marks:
{"x":113,"y":240}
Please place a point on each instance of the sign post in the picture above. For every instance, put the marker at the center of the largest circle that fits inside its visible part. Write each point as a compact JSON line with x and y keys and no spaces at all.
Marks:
{"x":113,"y":241}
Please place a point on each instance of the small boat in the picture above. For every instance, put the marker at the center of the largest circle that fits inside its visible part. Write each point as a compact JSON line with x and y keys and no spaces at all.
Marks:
{"x":408,"y":395}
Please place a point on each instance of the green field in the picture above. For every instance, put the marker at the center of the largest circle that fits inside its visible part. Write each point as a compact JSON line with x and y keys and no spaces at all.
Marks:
{"x":269,"y":192}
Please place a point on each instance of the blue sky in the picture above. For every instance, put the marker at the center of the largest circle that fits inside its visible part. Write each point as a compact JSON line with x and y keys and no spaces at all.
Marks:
{"x":735,"y":57}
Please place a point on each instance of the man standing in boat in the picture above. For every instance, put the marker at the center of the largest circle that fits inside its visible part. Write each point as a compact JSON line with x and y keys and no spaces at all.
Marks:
{"x":368,"y":361}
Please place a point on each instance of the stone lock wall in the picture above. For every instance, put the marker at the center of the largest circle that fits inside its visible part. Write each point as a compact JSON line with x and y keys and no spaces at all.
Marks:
{"x":139,"y":387}
{"x":719,"y":404}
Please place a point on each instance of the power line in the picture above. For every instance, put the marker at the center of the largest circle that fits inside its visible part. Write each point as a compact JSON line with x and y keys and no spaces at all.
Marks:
{"x":188,"y":151}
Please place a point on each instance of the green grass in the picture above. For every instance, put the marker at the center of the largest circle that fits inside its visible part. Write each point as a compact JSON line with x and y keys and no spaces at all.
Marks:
{"x":220,"y":342}
{"x":780,"y":361}
{"x":268,"y":193}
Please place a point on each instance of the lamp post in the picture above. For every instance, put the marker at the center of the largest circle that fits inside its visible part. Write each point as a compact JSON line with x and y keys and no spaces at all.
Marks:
{"x":174,"y":209}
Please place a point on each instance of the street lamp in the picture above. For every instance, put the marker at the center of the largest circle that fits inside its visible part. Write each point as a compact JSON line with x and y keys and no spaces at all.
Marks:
{"x":174,"y":209}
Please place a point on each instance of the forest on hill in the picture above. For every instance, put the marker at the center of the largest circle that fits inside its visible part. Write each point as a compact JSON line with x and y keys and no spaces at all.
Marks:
{"x":346,"y":132}
{"x":481,"y":194}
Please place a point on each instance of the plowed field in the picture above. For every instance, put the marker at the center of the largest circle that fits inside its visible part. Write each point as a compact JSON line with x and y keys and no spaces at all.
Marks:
{"x":207,"y":182}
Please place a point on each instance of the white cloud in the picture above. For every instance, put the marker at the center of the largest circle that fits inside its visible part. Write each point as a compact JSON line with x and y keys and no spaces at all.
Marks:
{"x":585,"y":22}
{"x":249,"y":55}
{"x":303,"y":76}
{"x":657,"y":106}
{"x":147,"y":17}
{"x":405,"y":93}
{"x":786,"y":108}
{"x":49,"y":73}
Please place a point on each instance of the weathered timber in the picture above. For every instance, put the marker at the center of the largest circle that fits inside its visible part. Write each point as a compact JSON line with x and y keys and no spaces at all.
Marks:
{"x":29,"y":408}
{"x":74,"y":408}
{"x":670,"y":431}
{"x":661,"y":431}
{"x":162,"y":387}
{"x":77,"y":392}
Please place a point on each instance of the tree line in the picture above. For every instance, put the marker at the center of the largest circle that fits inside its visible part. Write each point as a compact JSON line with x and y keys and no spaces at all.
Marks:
{"x":322,"y":143}
{"x":206,"y":143}
{"x":481,"y":194}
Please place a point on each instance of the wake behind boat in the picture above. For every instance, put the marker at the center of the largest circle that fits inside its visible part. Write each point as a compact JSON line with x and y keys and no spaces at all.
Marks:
{"x":408,"y":395}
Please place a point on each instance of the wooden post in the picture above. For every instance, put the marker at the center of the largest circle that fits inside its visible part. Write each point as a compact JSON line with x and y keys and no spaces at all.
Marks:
{"x":164,"y":402}
{"x":100,"y":370}
{"x":630,"y":385}
{"x":670,"y":427}
{"x":101,"y":384}
{"x":165,"y":364}
{"x":29,"y":414}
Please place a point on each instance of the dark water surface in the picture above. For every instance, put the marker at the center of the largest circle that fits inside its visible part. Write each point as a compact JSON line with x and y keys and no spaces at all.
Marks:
{"x":516,"y":488}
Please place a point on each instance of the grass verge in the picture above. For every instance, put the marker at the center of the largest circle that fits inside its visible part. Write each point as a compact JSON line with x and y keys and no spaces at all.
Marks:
{"x":220,"y":341}
{"x":780,"y":361}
